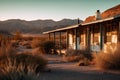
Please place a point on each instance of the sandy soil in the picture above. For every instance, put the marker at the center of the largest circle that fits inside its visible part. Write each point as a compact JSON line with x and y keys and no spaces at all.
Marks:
{"x":70,"y":71}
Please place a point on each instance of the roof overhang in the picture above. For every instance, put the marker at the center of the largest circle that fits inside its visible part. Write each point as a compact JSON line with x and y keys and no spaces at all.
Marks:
{"x":97,"y":21}
{"x":61,"y":29}
{"x":82,"y":24}
{"x":102,"y":20}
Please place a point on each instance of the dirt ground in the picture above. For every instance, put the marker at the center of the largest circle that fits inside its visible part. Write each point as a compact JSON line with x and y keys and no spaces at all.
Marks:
{"x":61,"y":70}
{"x":70,"y":71}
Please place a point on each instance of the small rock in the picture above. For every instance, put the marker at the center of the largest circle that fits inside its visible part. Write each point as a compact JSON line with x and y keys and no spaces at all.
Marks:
{"x":81,"y":64}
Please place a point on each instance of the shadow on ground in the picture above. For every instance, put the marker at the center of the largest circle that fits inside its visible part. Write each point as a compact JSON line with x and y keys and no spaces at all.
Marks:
{"x":70,"y":71}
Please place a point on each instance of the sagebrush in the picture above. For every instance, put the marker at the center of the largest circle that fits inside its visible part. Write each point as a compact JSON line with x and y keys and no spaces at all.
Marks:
{"x":14,"y":66}
{"x":108,"y":59}
{"x":44,"y":46}
{"x":78,"y":55}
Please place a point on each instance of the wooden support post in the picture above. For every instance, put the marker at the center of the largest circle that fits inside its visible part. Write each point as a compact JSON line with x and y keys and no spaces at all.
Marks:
{"x":76,"y":47}
{"x":118,"y":32}
{"x":49,"y":36}
{"x":67,"y":40}
{"x":86,"y":35}
{"x":88,"y":38}
{"x":101,"y":37}
{"x":92,"y":35}
{"x":60,"y":44}
{"x":80,"y":37}
{"x":105,"y":33}
{"x":54,"y":42}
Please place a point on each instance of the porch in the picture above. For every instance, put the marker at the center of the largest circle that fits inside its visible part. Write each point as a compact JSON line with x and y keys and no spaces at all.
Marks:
{"x":93,"y":35}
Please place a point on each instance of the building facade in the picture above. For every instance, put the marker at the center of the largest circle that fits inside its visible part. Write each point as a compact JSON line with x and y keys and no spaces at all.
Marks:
{"x":92,"y":35}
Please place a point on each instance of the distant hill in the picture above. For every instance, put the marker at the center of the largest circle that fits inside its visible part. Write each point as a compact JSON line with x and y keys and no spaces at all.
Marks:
{"x":36,"y":26}
{"x":108,"y":13}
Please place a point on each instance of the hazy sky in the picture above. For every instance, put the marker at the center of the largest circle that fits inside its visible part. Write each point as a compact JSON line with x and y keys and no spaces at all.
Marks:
{"x":52,"y":9}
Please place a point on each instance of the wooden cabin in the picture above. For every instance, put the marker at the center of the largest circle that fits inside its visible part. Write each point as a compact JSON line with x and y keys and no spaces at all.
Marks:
{"x":92,"y":35}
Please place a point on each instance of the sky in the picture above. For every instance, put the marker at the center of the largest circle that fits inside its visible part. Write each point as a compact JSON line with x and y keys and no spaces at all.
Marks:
{"x":52,"y":9}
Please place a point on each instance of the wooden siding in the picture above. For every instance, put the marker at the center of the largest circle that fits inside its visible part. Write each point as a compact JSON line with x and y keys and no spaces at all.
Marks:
{"x":93,"y":35}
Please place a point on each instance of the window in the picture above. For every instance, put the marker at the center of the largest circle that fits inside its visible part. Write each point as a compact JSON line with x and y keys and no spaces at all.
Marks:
{"x":96,"y":37}
{"x":82,"y":38}
{"x":108,"y":36}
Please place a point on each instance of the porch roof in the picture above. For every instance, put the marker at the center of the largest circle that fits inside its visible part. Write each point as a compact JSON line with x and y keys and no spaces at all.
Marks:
{"x":62,"y":29}
{"x":101,"y":20}
{"x":82,"y":24}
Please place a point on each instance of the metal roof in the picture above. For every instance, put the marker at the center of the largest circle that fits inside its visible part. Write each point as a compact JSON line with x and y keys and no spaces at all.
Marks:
{"x":101,"y":20}
{"x":61,"y":29}
{"x":97,"y":21}
{"x":82,"y":24}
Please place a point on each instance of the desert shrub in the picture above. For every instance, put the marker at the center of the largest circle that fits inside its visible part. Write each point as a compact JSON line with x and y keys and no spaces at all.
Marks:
{"x":36,"y":51}
{"x":17,"y":36}
{"x":30,"y":60}
{"x":44,"y":46}
{"x":7,"y":50}
{"x":26,"y":44}
{"x":14,"y":44}
{"x":36,"y":43}
{"x":77,"y":55}
{"x":11,"y":70}
{"x":84,"y":62}
{"x":108,"y":59}
{"x":14,"y":75}
{"x":28,"y":38}
{"x":47,"y":47}
{"x":71,"y":58}
{"x":21,"y":66}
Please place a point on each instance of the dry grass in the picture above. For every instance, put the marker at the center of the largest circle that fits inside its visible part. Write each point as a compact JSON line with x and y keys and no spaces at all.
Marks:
{"x":26,"y":44}
{"x":37,"y":42}
{"x":21,"y":67}
{"x":47,"y":47}
{"x":83,"y":56}
{"x":84,"y":62}
{"x":43,"y":46}
{"x":8,"y":53}
{"x":18,"y":36}
{"x":71,"y":58}
{"x":8,"y":49}
{"x":18,"y":76}
{"x":108,"y":59}
{"x":36,"y":51}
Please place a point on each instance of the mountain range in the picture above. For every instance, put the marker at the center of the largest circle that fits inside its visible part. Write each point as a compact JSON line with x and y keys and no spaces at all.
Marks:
{"x":36,"y":26}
